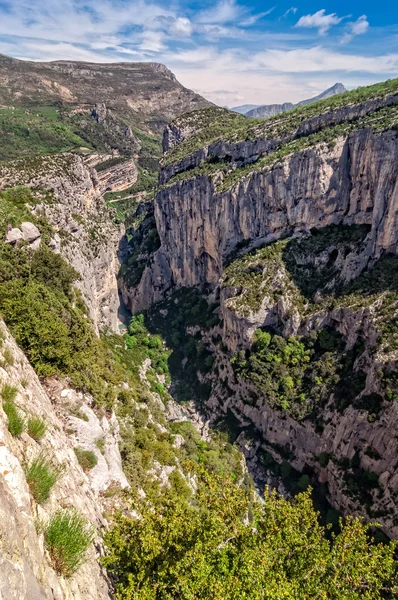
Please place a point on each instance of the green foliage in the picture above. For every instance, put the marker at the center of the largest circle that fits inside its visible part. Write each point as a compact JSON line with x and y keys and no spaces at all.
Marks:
{"x":34,"y":131}
{"x":296,"y":375}
{"x":227,"y":545}
{"x":171,"y":318}
{"x":41,"y":476}
{"x":86,"y":459}
{"x":48,"y":319}
{"x":68,"y":537}
{"x":36,"y":427}
{"x":8,"y":392}
{"x":16,"y":422}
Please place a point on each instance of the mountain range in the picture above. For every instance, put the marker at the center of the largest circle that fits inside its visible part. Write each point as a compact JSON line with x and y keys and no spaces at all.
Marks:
{"x":270,"y":110}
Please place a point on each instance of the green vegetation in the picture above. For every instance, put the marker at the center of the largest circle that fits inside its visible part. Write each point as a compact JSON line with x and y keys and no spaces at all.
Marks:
{"x":41,"y":476}
{"x":226,"y":545}
{"x":215,"y":123}
{"x":144,"y":242}
{"x":68,"y":537}
{"x":171,"y":318}
{"x":48,"y":317}
{"x":16,"y":422}
{"x":298,"y":375}
{"x":36,"y":428}
{"x":86,"y":459}
{"x":36,"y":130}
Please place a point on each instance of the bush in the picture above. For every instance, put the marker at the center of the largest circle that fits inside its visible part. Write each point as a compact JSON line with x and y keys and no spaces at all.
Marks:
{"x":67,"y":536}
{"x":16,"y":422}
{"x":36,"y":428}
{"x":86,"y":458}
{"x":229,"y":545}
{"x":41,"y":477}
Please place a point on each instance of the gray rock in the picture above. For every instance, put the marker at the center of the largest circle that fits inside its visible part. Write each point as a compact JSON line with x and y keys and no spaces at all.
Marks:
{"x":13,"y":236}
{"x":36,"y":244}
{"x":30,"y":232}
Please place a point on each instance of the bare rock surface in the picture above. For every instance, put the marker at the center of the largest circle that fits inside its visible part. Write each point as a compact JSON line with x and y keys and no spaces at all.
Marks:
{"x":84,"y":232}
{"x":26,"y":571}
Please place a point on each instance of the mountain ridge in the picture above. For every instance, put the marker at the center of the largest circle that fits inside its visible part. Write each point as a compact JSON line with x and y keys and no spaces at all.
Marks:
{"x":270,"y":110}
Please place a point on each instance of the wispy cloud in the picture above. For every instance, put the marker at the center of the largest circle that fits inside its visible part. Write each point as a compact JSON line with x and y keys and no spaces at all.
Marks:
{"x":292,"y":9}
{"x":320,"y":21}
{"x":228,"y":49}
{"x":358,"y":27}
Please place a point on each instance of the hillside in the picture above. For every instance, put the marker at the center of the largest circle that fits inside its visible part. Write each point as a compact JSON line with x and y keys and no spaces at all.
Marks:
{"x":117,"y":111}
{"x":270,"y":110}
{"x":288,"y":225}
{"x":206,"y":444}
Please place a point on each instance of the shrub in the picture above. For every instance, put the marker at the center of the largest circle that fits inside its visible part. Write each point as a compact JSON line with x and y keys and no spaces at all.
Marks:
{"x":229,"y":545}
{"x":16,"y":423}
{"x":36,"y":428}
{"x":100,"y":443}
{"x":41,"y":477}
{"x":86,"y":458}
{"x":68,"y":536}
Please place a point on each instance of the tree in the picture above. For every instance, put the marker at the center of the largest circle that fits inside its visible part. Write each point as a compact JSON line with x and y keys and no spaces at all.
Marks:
{"x":227,"y":545}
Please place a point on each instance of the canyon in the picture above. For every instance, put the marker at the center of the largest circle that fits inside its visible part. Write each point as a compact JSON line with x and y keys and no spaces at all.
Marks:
{"x":241,"y":316}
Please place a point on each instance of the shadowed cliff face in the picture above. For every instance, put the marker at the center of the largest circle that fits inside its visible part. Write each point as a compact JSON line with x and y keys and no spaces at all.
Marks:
{"x":336,"y":172}
{"x":355,"y":182}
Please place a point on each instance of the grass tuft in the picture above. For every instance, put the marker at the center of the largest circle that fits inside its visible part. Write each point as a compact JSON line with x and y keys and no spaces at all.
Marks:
{"x":16,"y":422}
{"x":68,"y":536}
{"x":86,"y":458}
{"x":36,"y":428}
{"x":41,"y":477}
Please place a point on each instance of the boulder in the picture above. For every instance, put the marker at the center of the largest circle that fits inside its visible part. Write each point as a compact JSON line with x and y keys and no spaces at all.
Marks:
{"x":30,"y":232}
{"x":14,"y":235}
{"x":36,"y":244}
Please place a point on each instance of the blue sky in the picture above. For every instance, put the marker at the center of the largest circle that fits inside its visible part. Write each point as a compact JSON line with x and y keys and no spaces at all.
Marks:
{"x":231,"y":51}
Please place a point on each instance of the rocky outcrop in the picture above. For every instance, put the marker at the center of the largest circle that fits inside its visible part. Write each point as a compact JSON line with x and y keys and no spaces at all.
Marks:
{"x":356,"y":181}
{"x":114,"y":173}
{"x":203,"y":223}
{"x":84,"y":233}
{"x":264,"y":137}
{"x":26,"y":570}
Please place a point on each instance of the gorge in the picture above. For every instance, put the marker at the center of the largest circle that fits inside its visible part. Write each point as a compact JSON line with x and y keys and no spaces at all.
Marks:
{"x":261,"y":275}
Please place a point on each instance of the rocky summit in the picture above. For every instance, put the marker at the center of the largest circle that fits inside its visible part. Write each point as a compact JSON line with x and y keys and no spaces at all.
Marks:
{"x":198,"y":340}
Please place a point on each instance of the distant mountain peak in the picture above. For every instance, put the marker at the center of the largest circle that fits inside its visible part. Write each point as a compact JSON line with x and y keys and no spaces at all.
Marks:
{"x":269,"y":110}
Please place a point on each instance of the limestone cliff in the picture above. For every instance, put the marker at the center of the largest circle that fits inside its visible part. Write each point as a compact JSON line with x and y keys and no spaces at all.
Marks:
{"x":224,"y":195}
{"x":70,"y":198}
{"x":26,"y":568}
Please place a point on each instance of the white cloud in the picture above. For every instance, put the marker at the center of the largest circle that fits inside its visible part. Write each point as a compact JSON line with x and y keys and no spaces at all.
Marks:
{"x":319,"y":59}
{"x":254,"y":18}
{"x":358,"y":27}
{"x":320,"y":21}
{"x":292,"y":9}
{"x":225,"y":11}
{"x":181,"y":27}
{"x":152,"y":41}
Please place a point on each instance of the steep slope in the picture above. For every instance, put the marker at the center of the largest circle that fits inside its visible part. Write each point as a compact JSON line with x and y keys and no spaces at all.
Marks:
{"x":26,"y":568}
{"x":270,"y":110}
{"x":323,"y":178}
{"x":83,"y":230}
{"x":116,"y":111}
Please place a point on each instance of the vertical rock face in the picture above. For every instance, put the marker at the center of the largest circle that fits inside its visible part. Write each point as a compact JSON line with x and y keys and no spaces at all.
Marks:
{"x":356,"y":181}
{"x":26,"y":570}
{"x":86,"y":236}
{"x":207,"y":213}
